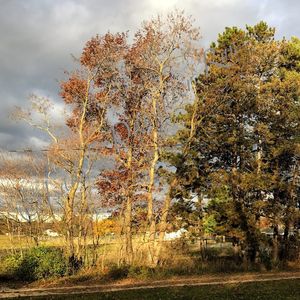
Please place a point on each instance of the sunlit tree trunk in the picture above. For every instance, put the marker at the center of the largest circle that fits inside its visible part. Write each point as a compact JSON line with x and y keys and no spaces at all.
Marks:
{"x":128,"y":212}
{"x":152,"y":171}
{"x":164,"y":222}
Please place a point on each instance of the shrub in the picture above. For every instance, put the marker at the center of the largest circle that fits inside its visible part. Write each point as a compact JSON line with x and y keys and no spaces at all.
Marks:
{"x":9,"y":266}
{"x":265,"y":253}
{"x":50,"y":262}
{"x":141,"y":272}
{"x":117,"y":272}
{"x":36,"y":263}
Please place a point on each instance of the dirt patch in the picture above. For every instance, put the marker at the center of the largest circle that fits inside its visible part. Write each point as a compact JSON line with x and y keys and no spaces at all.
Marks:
{"x":125,"y":285}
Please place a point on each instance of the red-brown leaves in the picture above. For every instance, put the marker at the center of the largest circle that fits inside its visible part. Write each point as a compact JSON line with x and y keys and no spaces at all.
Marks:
{"x":74,"y":90}
{"x":103,"y":54}
{"x":122,"y":131}
{"x":137,"y":80}
{"x":91,"y":53}
{"x":101,"y":48}
{"x":95,"y":87}
{"x":111,"y":180}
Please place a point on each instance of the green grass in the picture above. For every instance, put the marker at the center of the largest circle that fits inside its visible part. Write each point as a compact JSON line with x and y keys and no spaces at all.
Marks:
{"x":278,"y":290}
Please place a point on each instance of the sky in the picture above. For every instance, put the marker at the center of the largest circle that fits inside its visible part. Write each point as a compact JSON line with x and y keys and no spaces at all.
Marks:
{"x":39,"y":37}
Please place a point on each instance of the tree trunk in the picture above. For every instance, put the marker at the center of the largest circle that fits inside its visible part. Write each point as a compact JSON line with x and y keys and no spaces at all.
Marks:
{"x":164,"y":222}
{"x":285,"y":252}
{"x":83,"y":223}
{"x":128,"y":231}
{"x":275,"y":245}
{"x":289,"y":212}
{"x":150,"y":216}
{"x":128,"y":210}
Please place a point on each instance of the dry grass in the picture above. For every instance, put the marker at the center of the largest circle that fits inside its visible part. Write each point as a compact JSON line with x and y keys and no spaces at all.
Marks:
{"x":7,"y":244}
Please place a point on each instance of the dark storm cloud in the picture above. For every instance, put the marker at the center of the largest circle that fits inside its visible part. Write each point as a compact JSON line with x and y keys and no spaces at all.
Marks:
{"x":38,"y":36}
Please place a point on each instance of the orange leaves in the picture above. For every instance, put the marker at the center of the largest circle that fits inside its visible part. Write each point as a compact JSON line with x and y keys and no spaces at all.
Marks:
{"x":106,"y":226}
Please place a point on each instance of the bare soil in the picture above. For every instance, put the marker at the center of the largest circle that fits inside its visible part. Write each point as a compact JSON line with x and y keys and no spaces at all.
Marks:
{"x":7,"y":291}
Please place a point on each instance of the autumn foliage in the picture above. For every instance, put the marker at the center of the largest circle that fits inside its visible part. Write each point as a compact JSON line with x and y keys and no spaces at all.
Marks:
{"x":160,"y":143}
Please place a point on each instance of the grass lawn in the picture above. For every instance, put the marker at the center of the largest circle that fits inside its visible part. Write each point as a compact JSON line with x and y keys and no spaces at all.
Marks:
{"x":273,"y":290}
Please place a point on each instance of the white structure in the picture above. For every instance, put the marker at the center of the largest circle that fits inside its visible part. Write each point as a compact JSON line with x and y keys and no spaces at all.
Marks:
{"x":174,"y":235}
{"x":51,"y":233}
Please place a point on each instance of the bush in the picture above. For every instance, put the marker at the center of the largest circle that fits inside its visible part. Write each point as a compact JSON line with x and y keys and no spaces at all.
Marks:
{"x":36,"y":263}
{"x":265,"y":257}
{"x":50,"y":262}
{"x":74,"y":264}
{"x":141,"y":272}
{"x":9,"y":266}
{"x":117,"y":272}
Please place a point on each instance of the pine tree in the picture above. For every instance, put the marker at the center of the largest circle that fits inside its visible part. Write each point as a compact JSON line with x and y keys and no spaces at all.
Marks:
{"x":247,"y":127}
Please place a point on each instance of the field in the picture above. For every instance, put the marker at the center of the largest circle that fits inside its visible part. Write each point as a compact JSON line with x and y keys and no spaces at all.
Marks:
{"x":174,"y":254}
{"x":25,"y":242}
{"x":279,"y":290}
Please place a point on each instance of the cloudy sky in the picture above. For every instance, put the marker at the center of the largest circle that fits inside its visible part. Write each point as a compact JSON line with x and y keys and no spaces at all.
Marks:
{"x":39,"y":36}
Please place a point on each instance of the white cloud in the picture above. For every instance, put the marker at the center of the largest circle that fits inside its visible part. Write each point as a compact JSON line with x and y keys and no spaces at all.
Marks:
{"x":37,"y":143}
{"x":37,"y":38}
